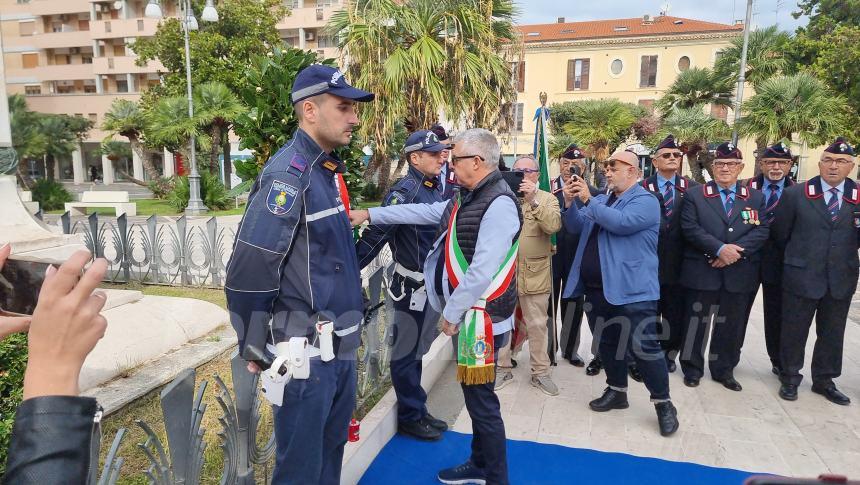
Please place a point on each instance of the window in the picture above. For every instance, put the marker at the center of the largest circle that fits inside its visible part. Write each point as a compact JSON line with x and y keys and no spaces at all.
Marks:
{"x":719,"y":112}
{"x":56,"y":27}
{"x":121,"y":86}
{"x":577,"y":74}
{"x":519,"y":70}
{"x":32,"y":90}
{"x":65,"y":88}
{"x":319,"y":14}
{"x":93,"y":117}
{"x":110,"y":63}
{"x":89,"y":88}
{"x":616,"y":67}
{"x":119,"y":50}
{"x":107,"y":26}
{"x":293,"y":4}
{"x":683,"y":63}
{"x":26,"y":29}
{"x":324,"y":41}
{"x":648,"y":72}
{"x":30,"y":60}
{"x":139,"y":25}
{"x":83,"y":24}
{"x":86,"y":59}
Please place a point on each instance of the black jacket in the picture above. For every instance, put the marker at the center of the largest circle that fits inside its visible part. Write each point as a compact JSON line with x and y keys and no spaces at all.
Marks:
{"x":670,"y":247}
{"x":706,"y":228}
{"x":771,"y":255}
{"x":819,"y":254}
{"x":565,"y":242}
{"x":53,"y":441}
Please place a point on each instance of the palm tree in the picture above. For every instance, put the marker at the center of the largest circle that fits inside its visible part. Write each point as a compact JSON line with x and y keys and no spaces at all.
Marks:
{"x":60,"y":141}
{"x":600,"y":125}
{"x":695,"y":129}
{"x":215,"y":108}
{"x":799,"y":105}
{"x":168,"y":125}
{"x":27,"y":140}
{"x":429,"y":56}
{"x":765,"y":56}
{"x":695,"y":87}
{"x":127,"y":119}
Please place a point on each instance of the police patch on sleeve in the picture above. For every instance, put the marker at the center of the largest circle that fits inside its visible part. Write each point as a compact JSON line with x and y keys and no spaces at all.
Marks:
{"x":395,"y":198}
{"x":281,"y":197}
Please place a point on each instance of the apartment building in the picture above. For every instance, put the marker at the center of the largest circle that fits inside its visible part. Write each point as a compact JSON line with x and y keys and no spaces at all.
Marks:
{"x":73,"y":57}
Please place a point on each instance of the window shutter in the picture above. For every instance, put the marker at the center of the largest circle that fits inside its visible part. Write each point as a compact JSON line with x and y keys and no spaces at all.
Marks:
{"x":571,"y":74}
{"x":521,"y":77}
{"x":586,"y":63}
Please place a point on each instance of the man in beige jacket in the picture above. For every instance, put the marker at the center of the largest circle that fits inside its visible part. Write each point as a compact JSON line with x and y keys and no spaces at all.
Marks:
{"x":541,"y":219}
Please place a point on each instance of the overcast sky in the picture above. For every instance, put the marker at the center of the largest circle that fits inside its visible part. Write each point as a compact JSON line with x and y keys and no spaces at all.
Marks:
{"x":765,"y":12}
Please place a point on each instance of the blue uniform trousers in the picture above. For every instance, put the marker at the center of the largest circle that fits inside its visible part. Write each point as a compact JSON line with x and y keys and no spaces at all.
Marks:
{"x":311,"y":427}
{"x":413,"y":334}
{"x":489,"y":451}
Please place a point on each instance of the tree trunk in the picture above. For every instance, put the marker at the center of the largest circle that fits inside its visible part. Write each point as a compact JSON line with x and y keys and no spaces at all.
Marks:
{"x":145,"y":159}
{"x":380,"y":164}
{"x":49,"y":167}
{"x":760,"y":146}
{"x":23,"y":178}
{"x":213,"y":149}
{"x":228,"y":163}
{"x":696,"y":166}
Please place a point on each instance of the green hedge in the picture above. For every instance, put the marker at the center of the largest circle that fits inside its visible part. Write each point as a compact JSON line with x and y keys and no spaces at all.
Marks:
{"x":51,"y":195}
{"x":13,"y":361}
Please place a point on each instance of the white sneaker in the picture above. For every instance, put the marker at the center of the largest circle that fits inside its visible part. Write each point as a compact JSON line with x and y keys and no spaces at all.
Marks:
{"x":503,"y":378}
{"x":544,"y":383}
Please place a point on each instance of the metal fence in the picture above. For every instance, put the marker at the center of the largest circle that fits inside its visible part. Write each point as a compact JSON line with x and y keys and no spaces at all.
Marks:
{"x":193,"y":254}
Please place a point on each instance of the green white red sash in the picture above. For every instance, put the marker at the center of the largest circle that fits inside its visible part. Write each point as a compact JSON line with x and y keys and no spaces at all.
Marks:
{"x":475,"y":351}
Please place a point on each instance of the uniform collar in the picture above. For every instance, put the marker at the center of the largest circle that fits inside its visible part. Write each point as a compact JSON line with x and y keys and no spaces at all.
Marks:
{"x":304,"y":143}
{"x":711,"y":189}
{"x":817,"y":188}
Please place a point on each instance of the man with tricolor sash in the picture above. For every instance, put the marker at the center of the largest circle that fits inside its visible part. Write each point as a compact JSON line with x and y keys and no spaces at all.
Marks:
{"x":818,"y":225}
{"x":470,"y":275}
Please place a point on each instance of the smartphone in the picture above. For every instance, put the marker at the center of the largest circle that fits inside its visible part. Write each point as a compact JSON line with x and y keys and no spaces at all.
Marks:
{"x":575,"y":172}
{"x":20,"y":282}
{"x":514,"y":179}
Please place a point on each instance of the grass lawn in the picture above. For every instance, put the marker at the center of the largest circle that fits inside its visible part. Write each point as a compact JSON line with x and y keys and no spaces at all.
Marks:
{"x":148,"y":207}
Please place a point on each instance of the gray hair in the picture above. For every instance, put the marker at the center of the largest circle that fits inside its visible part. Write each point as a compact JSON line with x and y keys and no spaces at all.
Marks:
{"x":481,"y":142}
{"x":527,"y":157}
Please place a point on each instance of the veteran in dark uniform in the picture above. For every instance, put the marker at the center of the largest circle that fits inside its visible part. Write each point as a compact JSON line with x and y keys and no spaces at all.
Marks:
{"x":447,"y":177}
{"x":775,"y":163}
{"x":722,"y":224}
{"x":415,"y":322}
{"x":671,"y":188}
{"x":294,"y":269}
{"x":817,"y":226}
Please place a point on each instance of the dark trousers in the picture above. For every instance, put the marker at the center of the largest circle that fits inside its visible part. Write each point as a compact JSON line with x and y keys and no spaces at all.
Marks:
{"x":627,"y":331}
{"x":413,"y":333}
{"x":671,"y":310}
{"x":729,"y":311}
{"x":571,"y":312}
{"x":489,"y":451}
{"x":772,"y":300}
{"x":830,"y":316}
{"x":312,"y":425}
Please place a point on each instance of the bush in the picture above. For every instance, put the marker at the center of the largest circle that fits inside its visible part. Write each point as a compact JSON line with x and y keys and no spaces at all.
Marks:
{"x":212,"y":191}
{"x":51,"y":195}
{"x":13,"y":361}
{"x":161,"y":187}
{"x":370,"y":192}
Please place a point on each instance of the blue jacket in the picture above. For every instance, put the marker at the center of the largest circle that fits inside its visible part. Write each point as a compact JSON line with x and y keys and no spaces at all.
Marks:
{"x":627,"y":245}
{"x":294,"y":257}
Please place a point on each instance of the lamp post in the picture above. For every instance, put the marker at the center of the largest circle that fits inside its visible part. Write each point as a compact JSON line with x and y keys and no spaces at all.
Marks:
{"x":196,"y":206}
{"x":742,"y":76}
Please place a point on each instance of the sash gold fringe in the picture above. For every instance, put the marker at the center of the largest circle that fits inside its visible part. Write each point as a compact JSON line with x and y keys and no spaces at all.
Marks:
{"x":475,"y":375}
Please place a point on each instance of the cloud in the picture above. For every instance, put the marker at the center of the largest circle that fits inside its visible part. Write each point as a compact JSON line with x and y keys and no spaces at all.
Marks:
{"x":765,"y":12}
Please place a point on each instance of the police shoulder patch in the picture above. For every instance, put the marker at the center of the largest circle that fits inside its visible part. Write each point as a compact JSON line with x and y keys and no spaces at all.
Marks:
{"x":395,"y":197}
{"x":281,"y":197}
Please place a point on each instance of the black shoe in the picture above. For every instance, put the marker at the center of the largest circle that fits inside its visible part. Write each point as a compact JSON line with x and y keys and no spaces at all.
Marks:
{"x":513,"y":363}
{"x":788,"y":392}
{"x":670,"y":364}
{"x":419,"y":430}
{"x":730,"y":383}
{"x":775,"y":370}
{"x":691,"y":381}
{"x":832,"y":394}
{"x":611,"y":399}
{"x":594,"y":367}
{"x":435,"y":423}
{"x":634,"y":373}
{"x":575,"y":361}
{"x":465,"y":473}
{"x":667,"y":417}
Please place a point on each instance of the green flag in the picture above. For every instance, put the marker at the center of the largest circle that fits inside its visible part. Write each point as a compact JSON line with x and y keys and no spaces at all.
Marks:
{"x":541,"y":150}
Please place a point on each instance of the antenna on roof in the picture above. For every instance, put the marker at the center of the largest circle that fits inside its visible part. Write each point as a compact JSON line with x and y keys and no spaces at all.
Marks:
{"x":664,"y":9}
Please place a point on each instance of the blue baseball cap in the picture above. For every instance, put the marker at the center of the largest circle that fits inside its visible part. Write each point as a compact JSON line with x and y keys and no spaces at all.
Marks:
{"x":319,"y":79}
{"x":424,"y":141}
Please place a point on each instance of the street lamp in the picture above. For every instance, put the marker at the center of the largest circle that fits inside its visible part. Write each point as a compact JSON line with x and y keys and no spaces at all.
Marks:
{"x":742,"y":76}
{"x":196,"y":206}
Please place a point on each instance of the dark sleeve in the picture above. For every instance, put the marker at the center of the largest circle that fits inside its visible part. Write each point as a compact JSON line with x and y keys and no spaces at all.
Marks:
{"x":753,"y":241}
{"x":783,"y":219}
{"x":693,"y":231}
{"x":262,"y":246}
{"x":52,"y":439}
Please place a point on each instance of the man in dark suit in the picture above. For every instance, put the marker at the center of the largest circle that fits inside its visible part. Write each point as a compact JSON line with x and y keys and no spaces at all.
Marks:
{"x":725,"y":234}
{"x":817,"y":226}
{"x":775,"y":163}
{"x":671,"y":189}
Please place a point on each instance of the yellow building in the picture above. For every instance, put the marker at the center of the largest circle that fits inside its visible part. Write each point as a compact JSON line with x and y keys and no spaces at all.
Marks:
{"x":634,"y":60}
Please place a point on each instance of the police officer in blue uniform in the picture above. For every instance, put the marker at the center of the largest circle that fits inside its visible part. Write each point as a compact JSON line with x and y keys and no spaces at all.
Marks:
{"x":294,"y":269}
{"x":415,"y":322}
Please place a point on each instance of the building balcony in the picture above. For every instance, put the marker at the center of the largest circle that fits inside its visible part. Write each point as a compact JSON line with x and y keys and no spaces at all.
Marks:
{"x":123,"y":65}
{"x":46,"y":7}
{"x":50,"y":40}
{"x":62,"y":72}
{"x":84,"y":104}
{"x":119,"y":28}
{"x":308,"y":17}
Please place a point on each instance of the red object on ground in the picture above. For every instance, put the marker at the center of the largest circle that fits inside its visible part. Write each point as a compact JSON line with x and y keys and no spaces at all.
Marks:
{"x":354,"y":427}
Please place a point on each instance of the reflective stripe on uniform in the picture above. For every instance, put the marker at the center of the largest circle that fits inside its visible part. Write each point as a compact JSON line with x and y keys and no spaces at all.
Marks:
{"x":324,"y":213}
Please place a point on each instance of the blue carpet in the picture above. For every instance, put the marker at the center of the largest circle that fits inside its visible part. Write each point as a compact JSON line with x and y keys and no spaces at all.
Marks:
{"x":404,"y":460}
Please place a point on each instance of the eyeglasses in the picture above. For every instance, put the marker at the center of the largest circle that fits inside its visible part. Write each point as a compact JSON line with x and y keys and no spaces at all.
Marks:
{"x":454,"y":159}
{"x":525,"y":170}
{"x":837,"y":161}
{"x":667,"y":156}
{"x":726,"y":164}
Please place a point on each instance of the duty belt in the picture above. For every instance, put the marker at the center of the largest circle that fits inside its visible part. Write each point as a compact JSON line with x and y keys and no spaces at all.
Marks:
{"x":416,"y":276}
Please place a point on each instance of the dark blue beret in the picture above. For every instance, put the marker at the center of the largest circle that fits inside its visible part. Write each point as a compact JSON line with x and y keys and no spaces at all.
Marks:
{"x":729,"y":150}
{"x":841,"y":147}
{"x":572,"y":152}
{"x":777,"y":150}
{"x":668,"y":142}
